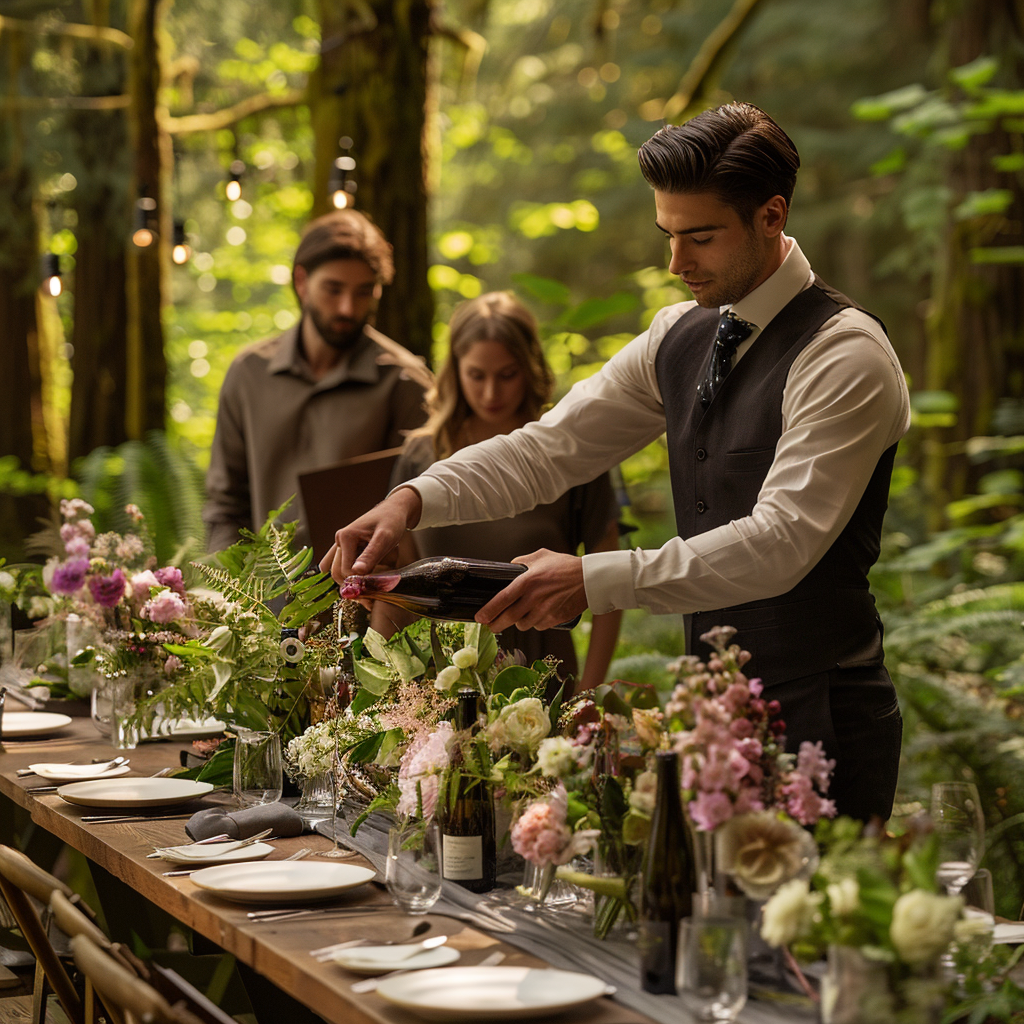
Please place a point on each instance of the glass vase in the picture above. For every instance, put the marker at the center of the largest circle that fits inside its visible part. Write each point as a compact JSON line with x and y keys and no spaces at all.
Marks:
{"x":316,"y":802}
{"x":856,"y":990}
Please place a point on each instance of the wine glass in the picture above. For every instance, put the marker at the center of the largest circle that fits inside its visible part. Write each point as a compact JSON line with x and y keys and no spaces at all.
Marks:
{"x":413,"y":870}
{"x":711,"y":973}
{"x":337,"y":852}
{"x":960,"y":827}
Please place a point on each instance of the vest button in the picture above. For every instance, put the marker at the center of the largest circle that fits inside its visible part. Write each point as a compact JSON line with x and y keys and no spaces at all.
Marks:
{"x":700,"y":506}
{"x":701,"y":455}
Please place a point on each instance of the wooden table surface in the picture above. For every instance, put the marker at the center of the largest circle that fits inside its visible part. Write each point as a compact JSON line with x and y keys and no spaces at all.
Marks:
{"x":279,"y":951}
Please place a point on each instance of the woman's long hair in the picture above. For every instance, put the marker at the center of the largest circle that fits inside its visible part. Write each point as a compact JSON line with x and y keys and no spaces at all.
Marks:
{"x":496,"y":316}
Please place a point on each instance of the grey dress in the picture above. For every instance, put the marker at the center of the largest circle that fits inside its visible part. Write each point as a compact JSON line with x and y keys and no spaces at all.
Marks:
{"x":555,"y":526}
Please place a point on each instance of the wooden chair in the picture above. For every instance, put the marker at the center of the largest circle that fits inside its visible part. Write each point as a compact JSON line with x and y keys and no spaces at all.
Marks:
{"x":19,"y":880}
{"x":135,"y":1000}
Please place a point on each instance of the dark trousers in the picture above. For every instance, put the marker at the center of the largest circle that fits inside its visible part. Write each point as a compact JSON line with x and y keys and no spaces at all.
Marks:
{"x":855,"y":715}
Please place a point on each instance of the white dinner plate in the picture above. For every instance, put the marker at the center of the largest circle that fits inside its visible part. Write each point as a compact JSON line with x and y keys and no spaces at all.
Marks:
{"x":217,"y":853}
{"x":281,"y":881}
{"x":1010,"y":932}
{"x":77,"y":772}
{"x":490,"y":993}
{"x":33,"y":723}
{"x":133,"y":792}
{"x":378,"y":959}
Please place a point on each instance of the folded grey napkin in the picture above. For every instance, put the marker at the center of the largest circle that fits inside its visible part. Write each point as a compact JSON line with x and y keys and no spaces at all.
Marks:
{"x":212,"y":821}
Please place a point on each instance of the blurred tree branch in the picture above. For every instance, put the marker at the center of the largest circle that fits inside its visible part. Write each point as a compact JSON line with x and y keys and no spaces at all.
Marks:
{"x":705,"y":67}
{"x":90,"y":33}
{"x":231,"y":115}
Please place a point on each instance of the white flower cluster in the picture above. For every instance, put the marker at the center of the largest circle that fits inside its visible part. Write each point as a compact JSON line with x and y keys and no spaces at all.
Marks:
{"x":520,"y":726}
{"x":312,"y":753}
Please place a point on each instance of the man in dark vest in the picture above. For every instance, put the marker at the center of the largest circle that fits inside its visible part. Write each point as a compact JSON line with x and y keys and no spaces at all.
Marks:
{"x":782,"y":402}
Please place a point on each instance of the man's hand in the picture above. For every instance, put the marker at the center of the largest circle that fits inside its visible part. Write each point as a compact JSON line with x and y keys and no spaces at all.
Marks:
{"x":550,"y":593}
{"x":359,"y":547}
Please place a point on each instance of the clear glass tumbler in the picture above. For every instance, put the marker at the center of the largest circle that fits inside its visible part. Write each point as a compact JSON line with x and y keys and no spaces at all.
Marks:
{"x":257,"y":777}
{"x":413,"y":870}
{"x":124,"y":692}
{"x":711,"y":971}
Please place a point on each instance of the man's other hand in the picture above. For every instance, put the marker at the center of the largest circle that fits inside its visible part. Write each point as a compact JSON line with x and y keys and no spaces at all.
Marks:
{"x":549,"y":593}
{"x":362,"y":545}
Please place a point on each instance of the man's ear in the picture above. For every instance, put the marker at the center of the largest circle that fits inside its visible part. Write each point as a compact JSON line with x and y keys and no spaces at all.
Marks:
{"x":773,"y":216}
{"x":300,"y":281}
{"x":378,"y":291}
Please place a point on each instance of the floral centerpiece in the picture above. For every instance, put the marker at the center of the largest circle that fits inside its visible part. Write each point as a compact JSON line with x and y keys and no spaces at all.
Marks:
{"x":874,"y":907}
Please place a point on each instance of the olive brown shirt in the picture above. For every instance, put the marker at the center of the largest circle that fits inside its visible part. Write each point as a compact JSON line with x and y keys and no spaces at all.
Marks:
{"x":275,"y":421}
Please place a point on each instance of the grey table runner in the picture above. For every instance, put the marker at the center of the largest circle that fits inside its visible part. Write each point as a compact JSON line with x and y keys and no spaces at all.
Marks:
{"x":564,"y":939}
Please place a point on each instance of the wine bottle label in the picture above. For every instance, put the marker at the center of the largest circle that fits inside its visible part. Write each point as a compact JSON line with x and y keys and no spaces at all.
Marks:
{"x":462,"y":857}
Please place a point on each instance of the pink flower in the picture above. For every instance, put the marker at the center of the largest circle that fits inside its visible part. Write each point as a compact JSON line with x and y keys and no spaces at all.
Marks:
{"x":741,"y":728}
{"x":142,"y":584}
{"x":812,"y":762}
{"x":710,"y":810}
{"x":83,"y":530}
{"x":107,"y":590}
{"x":171,"y":577}
{"x":77,"y":547}
{"x":69,"y":576}
{"x":542,"y":835}
{"x":756,"y":686}
{"x":164,"y":608}
{"x":421,"y":765}
{"x":172,"y":664}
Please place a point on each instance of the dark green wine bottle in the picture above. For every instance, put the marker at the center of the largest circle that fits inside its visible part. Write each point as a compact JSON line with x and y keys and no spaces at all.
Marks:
{"x":468,"y":853}
{"x":668,"y":880}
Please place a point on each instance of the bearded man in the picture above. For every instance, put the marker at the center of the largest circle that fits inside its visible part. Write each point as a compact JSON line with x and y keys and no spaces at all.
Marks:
{"x":782,"y":402}
{"x":330,"y":388}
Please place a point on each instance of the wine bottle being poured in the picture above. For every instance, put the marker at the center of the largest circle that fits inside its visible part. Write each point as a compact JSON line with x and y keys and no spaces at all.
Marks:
{"x":439,"y":588}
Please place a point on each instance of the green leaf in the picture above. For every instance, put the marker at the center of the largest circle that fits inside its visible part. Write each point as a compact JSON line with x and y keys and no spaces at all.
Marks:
{"x":375,"y":677}
{"x":987,"y":203}
{"x":363,"y":700}
{"x":880,"y":108}
{"x":891,"y":164}
{"x":934,"y":402}
{"x":1009,"y":163}
{"x":977,"y":73}
{"x":366,"y":750}
{"x":376,"y":644}
{"x":998,"y":254}
{"x":510,"y":679}
{"x":487,"y":650}
{"x":595,"y":311}
{"x":544,"y":288}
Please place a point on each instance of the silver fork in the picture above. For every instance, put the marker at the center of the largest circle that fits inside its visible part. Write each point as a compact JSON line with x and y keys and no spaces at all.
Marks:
{"x":299,"y":854}
{"x":159,"y":851}
{"x":370,"y":984}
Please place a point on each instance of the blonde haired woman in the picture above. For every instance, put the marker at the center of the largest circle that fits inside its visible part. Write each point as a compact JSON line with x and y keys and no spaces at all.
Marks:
{"x":494,"y":381}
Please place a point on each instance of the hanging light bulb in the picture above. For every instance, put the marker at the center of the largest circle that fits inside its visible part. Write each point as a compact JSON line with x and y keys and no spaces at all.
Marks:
{"x":340,"y":187}
{"x":143,"y":235}
{"x":51,"y":274}
{"x":233,"y":189}
{"x":181,"y":252}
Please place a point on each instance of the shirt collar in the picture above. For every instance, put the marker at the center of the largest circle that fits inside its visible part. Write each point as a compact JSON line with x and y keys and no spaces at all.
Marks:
{"x":358,"y":364}
{"x":761,"y":306}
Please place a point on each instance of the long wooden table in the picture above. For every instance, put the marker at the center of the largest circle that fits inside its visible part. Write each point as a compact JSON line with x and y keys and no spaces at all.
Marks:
{"x":278,"y":951}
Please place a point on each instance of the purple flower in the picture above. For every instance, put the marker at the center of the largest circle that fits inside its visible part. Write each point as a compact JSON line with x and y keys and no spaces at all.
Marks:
{"x":69,"y":576}
{"x":171,"y":577}
{"x":107,"y":590}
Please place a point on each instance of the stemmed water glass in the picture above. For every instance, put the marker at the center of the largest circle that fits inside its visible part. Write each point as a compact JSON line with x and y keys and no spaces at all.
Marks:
{"x":711,"y":973}
{"x":960,"y":828}
{"x":337,"y":852}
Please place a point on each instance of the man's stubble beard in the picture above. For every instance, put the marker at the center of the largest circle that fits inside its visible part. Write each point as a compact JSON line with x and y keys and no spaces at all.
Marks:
{"x":340,"y":340}
{"x":741,"y":279}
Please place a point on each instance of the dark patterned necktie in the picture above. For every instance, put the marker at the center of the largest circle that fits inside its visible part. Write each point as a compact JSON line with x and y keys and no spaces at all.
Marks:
{"x":732,"y":332}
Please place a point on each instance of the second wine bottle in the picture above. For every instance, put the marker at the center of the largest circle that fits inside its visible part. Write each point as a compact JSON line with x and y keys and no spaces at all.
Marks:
{"x":468,"y":853}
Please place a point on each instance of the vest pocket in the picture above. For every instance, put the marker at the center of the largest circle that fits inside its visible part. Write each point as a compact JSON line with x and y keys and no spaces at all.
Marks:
{"x":751,"y":460}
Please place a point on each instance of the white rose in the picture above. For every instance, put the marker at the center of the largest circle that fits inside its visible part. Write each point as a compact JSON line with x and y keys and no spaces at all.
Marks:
{"x":447,"y":678}
{"x":645,"y":789}
{"x":556,"y":756}
{"x":466,"y":658}
{"x":922,"y":924}
{"x":789,"y":914}
{"x":524,"y":724}
{"x":844,"y":897}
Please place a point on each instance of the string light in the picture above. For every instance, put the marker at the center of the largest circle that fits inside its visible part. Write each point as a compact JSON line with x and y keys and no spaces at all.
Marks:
{"x":51,"y":273}
{"x":341,"y":188}
{"x":143,"y":235}
{"x":182,"y":251}
{"x":233,"y":189}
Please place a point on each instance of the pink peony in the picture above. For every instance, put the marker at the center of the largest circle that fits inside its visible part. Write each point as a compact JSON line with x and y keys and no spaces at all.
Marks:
{"x":107,"y":590}
{"x":421,"y":765}
{"x":77,"y":547}
{"x":710,"y":810}
{"x":164,"y":608}
{"x":542,"y":836}
{"x":68,"y":577}
{"x":171,"y":577}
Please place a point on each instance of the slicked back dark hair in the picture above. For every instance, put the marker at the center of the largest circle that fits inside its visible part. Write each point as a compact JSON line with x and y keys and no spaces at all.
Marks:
{"x":736,"y":152}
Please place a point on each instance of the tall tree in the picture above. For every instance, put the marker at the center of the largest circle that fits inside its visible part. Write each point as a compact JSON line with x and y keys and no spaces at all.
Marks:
{"x":371,"y":86}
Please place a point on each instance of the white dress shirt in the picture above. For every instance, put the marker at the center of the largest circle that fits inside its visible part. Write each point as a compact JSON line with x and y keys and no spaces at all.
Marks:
{"x":845,"y":402}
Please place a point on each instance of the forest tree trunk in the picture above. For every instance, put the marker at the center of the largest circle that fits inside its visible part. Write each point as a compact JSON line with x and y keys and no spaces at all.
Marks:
{"x":145,"y":362}
{"x":103,"y":205}
{"x":976,"y":327}
{"x":371,"y":85}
